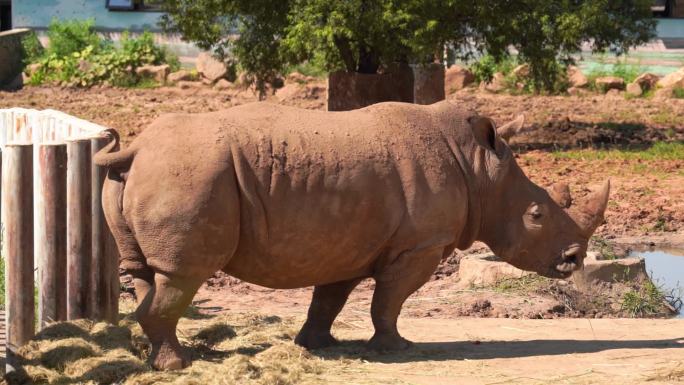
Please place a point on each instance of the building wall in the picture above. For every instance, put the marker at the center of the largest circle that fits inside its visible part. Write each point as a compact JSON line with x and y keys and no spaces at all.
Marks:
{"x":37,"y":14}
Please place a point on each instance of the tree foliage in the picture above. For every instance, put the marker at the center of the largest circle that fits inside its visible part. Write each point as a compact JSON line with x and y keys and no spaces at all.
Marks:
{"x":364,"y":35}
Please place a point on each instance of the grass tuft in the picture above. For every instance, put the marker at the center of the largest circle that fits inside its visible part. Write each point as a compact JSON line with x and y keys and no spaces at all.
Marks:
{"x":658,"y":151}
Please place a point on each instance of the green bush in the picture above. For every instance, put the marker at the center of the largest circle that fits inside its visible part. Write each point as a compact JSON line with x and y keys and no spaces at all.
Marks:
{"x":485,"y":68}
{"x":68,"y":37}
{"x":678,"y":93}
{"x":78,"y":56}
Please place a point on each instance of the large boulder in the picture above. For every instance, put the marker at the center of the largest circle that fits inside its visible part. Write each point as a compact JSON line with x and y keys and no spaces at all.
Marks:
{"x":456,"y":78}
{"x":647,"y":81}
{"x":634,"y":89}
{"x":223,"y":85}
{"x":485,"y":270}
{"x":576,"y":78}
{"x":210,"y":68}
{"x":497,"y":84}
{"x":607,"y":83}
{"x":179,"y":76}
{"x":609,"y":270}
{"x":158,"y":73}
{"x":673,"y":80}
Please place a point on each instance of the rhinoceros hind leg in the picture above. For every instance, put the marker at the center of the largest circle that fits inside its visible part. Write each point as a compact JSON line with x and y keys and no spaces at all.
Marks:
{"x":326,"y":304}
{"x":158,"y":314}
{"x":393,"y":285}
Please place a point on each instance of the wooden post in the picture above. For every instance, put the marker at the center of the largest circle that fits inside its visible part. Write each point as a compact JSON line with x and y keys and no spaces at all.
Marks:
{"x":78,"y":229}
{"x":50,"y":224}
{"x":17,"y":245}
{"x":100,"y":267}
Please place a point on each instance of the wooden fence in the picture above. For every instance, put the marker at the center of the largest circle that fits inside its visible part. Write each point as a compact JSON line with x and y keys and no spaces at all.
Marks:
{"x":54,"y":236}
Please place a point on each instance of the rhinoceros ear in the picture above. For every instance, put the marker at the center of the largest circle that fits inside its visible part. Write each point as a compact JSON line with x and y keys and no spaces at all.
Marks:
{"x":511,"y":128}
{"x":484,"y":131}
{"x":560,"y":193}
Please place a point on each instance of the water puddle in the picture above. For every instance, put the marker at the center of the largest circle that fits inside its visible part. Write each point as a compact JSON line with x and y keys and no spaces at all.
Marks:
{"x":666,"y":269}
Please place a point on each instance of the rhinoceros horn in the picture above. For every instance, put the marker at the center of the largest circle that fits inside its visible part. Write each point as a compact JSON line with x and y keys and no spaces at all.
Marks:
{"x":511,"y":128}
{"x":590,"y":215}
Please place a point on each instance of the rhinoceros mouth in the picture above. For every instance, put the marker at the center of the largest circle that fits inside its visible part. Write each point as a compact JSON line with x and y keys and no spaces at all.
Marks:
{"x":570,"y":259}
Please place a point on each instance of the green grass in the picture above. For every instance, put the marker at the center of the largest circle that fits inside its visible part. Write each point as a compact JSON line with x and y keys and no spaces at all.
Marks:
{"x":525,"y":284}
{"x":678,"y":93}
{"x":644,"y":302}
{"x":658,"y":151}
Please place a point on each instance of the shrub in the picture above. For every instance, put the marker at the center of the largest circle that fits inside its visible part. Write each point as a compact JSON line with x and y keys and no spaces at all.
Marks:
{"x":678,"y":93}
{"x":78,"y":56}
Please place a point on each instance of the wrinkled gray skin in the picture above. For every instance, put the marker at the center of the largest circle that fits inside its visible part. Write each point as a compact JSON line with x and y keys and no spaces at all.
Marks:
{"x":287,"y":198}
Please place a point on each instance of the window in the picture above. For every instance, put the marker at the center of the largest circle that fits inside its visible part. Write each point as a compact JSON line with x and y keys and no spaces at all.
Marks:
{"x":135,"y":5}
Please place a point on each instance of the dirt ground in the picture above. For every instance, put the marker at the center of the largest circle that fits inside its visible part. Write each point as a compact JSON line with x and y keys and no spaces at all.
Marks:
{"x":646,"y":204}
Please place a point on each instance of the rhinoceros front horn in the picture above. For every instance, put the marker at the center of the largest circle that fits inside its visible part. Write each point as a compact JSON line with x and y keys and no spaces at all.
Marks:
{"x":592,"y":211}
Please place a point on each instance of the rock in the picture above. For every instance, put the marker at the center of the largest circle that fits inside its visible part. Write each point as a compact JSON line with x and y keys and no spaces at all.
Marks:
{"x":211,"y":68}
{"x":634,"y":89}
{"x":607,"y":83}
{"x":180,"y":75}
{"x":647,"y":81}
{"x":522,"y":71}
{"x":158,"y":73}
{"x":673,"y":80}
{"x":663,"y":93}
{"x":609,"y":270}
{"x":614,"y":93}
{"x":32,"y":68}
{"x":222,"y":85}
{"x":576,"y":91}
{"x":185,"y":84}
{"x":289,"y":91}
{"x":576,"y":78}
{"x":497,"y":84}
{"x":485,"y":270}
{"x":456,"y":78}
{"x":296,"y":77}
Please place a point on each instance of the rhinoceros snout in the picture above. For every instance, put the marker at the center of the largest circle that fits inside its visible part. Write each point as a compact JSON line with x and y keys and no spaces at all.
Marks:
{"x":571,"y":259}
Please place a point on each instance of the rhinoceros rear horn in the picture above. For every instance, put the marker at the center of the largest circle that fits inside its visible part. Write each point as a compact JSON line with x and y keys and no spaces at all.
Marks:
{"x":511,"y":128}
{"x":594,"y":209}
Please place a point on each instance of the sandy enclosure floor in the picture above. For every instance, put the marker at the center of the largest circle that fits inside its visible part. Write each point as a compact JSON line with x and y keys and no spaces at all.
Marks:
{"x":504,"y":351}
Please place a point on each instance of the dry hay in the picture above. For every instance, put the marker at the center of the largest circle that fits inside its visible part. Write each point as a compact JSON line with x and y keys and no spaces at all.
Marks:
{"x":237,"y":349}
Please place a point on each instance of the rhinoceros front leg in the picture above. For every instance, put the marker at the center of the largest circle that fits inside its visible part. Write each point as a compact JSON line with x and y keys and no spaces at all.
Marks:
{"x":158,"y":314}
{"x":394,"y":284}
{"x":326,"y":304}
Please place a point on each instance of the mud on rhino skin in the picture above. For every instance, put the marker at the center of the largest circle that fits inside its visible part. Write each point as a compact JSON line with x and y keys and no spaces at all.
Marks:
{"x":285,"y":198}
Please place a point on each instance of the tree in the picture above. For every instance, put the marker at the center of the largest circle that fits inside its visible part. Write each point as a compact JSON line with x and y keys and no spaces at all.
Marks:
{"x":265,"y":37}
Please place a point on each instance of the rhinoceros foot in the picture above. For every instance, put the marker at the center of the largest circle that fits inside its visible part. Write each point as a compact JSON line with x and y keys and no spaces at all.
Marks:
{"x":169,"y":358}
{"x":314,"y":339}
{"x":388,"y":342}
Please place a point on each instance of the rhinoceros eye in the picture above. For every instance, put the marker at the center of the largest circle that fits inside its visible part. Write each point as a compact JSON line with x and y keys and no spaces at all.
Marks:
{"x":535,"y":211}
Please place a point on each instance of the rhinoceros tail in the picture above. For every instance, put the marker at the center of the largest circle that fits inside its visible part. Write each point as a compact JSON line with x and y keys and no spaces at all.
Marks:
{"x":114,"y":160}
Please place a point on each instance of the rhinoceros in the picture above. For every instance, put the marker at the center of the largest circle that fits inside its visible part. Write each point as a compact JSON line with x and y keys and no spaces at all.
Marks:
{"x":286,"y":198}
